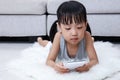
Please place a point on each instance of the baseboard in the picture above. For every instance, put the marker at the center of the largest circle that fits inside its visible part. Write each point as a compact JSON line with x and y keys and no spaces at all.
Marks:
{"x":107,"y":38}
{"x":34,"y":38}
{"x":29,"y":39}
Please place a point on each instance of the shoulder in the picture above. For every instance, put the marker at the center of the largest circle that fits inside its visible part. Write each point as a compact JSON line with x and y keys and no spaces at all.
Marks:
{"x":88,"y":38}
{"x":87,"y":35}
{"x":57,"y":36}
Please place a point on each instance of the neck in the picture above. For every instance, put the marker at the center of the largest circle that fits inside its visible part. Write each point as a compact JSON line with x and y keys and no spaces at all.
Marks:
{"x":72,"y":50}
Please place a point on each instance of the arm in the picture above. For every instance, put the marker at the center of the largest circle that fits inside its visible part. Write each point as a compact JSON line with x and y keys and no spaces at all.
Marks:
{"x":91,"y":50}
{"x":54,"y":53}
{"x":91,"y":54}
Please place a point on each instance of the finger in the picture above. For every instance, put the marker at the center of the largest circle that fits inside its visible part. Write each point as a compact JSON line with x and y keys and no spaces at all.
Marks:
{"x":61,"y":69}
{"x":64,"y":71}
{"x":79,"y":70}
{"x":82,"y":69}
{"x":61,"y":66}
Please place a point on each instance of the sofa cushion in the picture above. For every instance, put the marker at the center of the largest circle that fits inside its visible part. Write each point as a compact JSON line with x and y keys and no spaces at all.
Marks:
{"x":52,"y":5}
{"x":23,"y":6}
{"x":92,"y":6}
{"x":22,"y":25}
{"x":101,"y":25}
{"x":105,"y":25}
{"x":50,"y":20}
{"x":101,"y":6}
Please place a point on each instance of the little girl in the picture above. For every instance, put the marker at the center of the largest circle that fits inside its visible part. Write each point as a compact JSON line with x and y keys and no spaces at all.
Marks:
{"x":72,"y":43}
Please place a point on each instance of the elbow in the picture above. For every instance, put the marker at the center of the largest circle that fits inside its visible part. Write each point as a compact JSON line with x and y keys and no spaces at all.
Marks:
{"x":94,"y":62}
{"x":97,"y":61}
{"x":47,"y":62}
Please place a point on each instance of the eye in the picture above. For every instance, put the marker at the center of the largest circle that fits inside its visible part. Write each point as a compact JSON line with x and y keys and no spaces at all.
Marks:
{"x":79,"y":27}
{"x":67,"y":28}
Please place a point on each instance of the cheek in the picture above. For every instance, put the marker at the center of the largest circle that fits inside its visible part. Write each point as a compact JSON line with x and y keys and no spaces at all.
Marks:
{"x":81,"y":33}
{"x":65,"y":34}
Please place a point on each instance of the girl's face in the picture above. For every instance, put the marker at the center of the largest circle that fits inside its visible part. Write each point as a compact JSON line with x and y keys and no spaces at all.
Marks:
{"x":73,"y":33}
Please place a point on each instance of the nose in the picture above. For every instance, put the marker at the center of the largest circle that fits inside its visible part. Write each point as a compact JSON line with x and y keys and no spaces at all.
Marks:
{"x":74,"y":32}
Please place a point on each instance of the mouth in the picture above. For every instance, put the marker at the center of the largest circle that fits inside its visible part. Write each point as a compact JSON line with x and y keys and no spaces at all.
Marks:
{"x":74,"y":39}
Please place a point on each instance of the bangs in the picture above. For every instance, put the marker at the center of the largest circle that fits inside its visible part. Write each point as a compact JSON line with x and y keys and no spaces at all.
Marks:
{"x":71,"y":18}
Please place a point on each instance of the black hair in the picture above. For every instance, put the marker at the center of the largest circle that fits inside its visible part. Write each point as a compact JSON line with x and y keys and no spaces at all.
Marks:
{"x":68,"y":12}
{"x":53,"y":30}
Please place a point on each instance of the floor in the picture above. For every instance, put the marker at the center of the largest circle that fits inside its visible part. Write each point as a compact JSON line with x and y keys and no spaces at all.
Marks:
{"x":10,"y":51}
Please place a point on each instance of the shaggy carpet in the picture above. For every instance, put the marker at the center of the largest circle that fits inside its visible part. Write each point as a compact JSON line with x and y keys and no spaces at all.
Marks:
{"x":31,"y":64}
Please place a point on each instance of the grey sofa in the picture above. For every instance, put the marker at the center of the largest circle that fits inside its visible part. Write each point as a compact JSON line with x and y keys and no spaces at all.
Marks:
{"x":103,"y":16}
{"x":19,"y":18}
{"x":35,"y":17}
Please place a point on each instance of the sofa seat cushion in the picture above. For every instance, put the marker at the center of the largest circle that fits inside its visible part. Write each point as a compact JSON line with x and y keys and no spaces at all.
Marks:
{"x":23,"y":6}
{"x":105,"y":25}
{"x":101,"y":25}
{"x":92,"y":6}
{"x":22,"y":25}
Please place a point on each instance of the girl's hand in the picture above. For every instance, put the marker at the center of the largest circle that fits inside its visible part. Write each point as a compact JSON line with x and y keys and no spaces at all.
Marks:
{"x":60,"y":68}
{"x":83,"y":68}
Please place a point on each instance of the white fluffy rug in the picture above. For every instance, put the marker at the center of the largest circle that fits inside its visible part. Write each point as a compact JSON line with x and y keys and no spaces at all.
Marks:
{"x":31,"y":64}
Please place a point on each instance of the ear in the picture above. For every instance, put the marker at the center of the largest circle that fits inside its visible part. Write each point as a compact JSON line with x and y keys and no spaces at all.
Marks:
{"x":86,"y":24}
{"x":58,"y":27}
